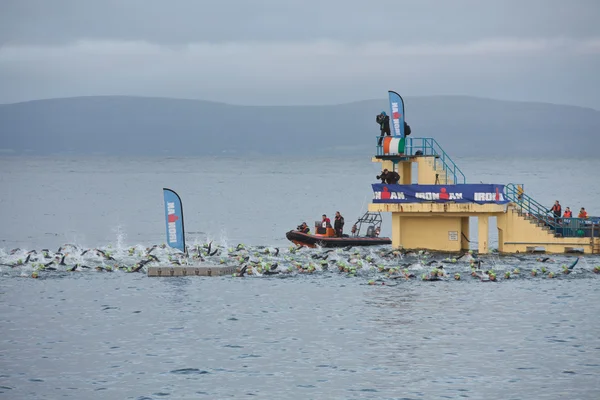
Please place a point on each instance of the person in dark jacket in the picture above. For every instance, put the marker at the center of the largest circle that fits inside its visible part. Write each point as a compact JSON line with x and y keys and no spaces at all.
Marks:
{"x":383,"y":175}
{"x":392,"y":177}
{"x":389,"y":177}
{"x":338,"y":224}
{"x":407,"y":129}
{"x":384,"y":125}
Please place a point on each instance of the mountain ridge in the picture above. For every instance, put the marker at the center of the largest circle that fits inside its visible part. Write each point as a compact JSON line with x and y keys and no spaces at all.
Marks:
{"x":441,"y":96}
{"x":140,"y":125}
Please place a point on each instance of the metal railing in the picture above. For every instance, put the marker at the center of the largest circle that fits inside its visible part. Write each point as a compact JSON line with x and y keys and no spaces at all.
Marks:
{"x":578,"y":227}
{"x":566,"y":227}
{"x":430,"y":147}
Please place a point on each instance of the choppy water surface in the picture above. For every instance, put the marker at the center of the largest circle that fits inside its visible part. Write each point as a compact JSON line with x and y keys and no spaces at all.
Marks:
{"x":355,"y":323}
{"x":315,"y":336}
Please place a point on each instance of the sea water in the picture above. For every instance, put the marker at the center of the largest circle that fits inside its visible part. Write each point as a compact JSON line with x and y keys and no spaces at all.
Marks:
{"x":328,"y":334}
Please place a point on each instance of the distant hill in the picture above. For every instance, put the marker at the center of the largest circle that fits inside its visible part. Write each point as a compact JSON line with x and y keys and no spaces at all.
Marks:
{"x":160,"y":126}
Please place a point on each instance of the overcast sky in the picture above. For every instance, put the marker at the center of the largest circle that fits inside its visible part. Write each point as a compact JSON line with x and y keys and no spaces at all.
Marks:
{"x":301,"y":51}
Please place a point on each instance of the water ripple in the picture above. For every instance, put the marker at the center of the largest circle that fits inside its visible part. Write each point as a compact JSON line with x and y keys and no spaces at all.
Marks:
{"x":336,"y":339}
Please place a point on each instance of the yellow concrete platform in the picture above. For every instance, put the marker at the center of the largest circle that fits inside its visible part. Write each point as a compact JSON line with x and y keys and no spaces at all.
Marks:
{"x":445,"y":226}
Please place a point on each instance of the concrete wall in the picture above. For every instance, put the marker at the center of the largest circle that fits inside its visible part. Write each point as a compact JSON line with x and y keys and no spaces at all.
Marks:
{"x":426,"y":226}
{"x":464,"y":209}
{"x":464,"y":238}
{"x":439,"y":233}
{"x":425,"y":171}
{"x":405,"y":171}
{"x":428,"y":167}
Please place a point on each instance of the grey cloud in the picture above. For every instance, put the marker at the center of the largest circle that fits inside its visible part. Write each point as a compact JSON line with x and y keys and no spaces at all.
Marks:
{"x":300,"y":52}
{"x":188,"y":21}
{"x":303,"y":73}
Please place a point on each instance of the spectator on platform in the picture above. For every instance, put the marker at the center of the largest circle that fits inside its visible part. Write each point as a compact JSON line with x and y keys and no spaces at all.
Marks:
{"x":392,"y":177}
{"x":383,"y":175}
{"x":520,"y":192}
{"x":582,"y":213}
{"x":389,"y":177}
{"x":556,"y":209}
{"x":568,"y":213}
{"x":384,"y":125}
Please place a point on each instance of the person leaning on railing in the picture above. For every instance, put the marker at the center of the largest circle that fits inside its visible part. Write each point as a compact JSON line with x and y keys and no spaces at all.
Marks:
{"x":556,"y":209}
{"x":389,"y":177}
{"x":582,"y":213}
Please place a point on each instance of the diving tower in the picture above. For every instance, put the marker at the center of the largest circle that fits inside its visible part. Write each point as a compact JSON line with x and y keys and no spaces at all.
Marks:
{"x":434,"y":212}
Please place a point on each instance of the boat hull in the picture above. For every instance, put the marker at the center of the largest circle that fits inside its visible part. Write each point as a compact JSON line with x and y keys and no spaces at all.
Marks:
{"x":303,"y":239}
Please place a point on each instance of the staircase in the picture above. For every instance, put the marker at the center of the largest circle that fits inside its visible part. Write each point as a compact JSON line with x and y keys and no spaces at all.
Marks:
{"x":443,"y":177}
{"x":447,"y":170}
{"x":537,"y":214}
{"x":532,"y":211}
{"x":533,"y":219}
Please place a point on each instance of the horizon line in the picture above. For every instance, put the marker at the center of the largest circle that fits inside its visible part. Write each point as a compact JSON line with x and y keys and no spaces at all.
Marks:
{"x":294,"y":105}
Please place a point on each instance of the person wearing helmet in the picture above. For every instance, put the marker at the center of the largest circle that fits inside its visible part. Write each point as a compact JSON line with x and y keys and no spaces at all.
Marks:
{"x":384,"y":125}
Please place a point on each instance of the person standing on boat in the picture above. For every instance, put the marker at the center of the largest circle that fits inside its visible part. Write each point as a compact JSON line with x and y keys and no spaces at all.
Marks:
{"x":384,"y":125}
{"x":325,"y":222}
{"x":338,"y":224}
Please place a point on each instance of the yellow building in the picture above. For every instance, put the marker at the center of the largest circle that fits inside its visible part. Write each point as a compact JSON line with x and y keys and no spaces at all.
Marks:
{"x":434,"y":212}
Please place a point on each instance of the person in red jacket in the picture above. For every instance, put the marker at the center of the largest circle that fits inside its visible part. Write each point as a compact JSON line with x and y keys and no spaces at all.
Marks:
{"x":582,"y":213}
{"x":568,"y":213}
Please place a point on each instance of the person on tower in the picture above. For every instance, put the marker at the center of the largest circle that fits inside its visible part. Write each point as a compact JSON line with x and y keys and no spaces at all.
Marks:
{"x":384,"y":125}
